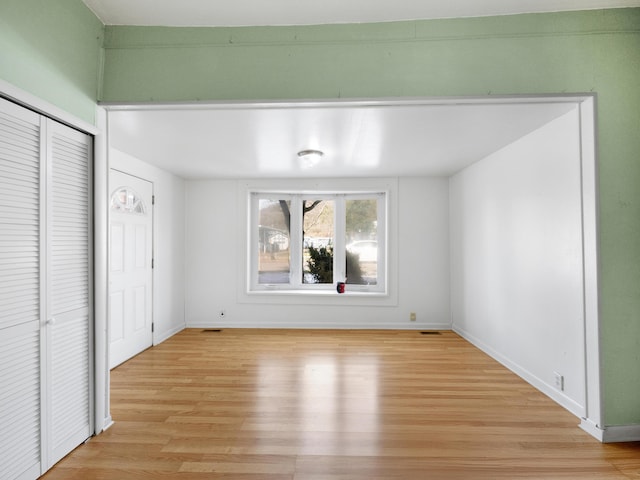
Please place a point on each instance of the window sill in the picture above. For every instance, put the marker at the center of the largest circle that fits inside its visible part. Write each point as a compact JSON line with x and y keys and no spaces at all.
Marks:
{"x":316,"y":293}
{"x":318,"y":298}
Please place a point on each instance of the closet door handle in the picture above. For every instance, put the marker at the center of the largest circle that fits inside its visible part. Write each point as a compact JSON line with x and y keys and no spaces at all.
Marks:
{"x":51,"y":321}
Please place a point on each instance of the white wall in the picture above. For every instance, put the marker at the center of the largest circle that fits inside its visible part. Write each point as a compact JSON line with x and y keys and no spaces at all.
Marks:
{"x":169,"y":245}
{"x":516,"y":258}
{"x":216,"y":218}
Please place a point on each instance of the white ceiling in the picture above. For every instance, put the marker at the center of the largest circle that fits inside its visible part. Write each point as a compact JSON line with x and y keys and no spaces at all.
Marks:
{"x":306,"y":12}
{"x":359,"y":139}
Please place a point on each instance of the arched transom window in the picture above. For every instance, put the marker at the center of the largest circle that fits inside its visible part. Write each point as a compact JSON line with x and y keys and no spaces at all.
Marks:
{"x":125,"y":200}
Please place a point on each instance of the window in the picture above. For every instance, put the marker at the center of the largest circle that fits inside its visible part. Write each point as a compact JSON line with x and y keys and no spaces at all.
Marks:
{"x":308,"y":242}
{"x":125,"y":200}
{"x":273,"y":240}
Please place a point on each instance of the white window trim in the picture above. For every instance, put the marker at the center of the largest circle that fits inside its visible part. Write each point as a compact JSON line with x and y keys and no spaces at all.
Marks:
{"x":354,"y":294}
{"x":296,"y":199}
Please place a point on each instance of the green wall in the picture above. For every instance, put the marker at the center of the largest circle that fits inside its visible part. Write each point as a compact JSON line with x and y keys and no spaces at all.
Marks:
{"x":52,"y":49}
{"x":547,"y":53}
{"x":593,"y":51}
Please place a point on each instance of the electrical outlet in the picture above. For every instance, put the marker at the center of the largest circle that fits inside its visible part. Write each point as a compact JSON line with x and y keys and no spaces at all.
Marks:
{"x":412,"y":316}
{"x":559,"y":381}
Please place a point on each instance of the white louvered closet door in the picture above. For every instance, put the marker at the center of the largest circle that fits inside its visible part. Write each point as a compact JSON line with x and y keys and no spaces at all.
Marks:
{"x":20,"y":305}
{"x":69,"y":291}
{"x":45,"y":292}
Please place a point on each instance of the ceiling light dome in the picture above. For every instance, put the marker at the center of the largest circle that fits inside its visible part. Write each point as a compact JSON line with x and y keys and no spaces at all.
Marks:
{"x":310,"y":157}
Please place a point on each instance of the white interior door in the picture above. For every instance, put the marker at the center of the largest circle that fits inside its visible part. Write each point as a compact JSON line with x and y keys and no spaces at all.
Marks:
{"x":130,"y":276}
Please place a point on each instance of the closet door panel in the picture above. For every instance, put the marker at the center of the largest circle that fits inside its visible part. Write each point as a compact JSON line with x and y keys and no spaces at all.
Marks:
{"x":20,"y":402}
{"x":20,"y":152}
{"x":20,"y":286}
{"x":69,"y":289}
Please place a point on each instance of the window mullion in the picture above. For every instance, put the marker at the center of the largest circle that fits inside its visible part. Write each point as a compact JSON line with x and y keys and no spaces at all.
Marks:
{"x":253,"y":242}
{"x":382,"y":242}
{"x":339,"y":247}
{"x":295,"y":239}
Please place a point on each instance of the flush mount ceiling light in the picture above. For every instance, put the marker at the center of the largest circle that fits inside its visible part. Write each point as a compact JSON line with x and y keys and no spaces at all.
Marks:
{"x":310,"y":157}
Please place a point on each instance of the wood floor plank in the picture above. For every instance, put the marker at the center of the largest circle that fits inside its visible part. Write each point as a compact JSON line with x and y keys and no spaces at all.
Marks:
{"x":328,"y":405}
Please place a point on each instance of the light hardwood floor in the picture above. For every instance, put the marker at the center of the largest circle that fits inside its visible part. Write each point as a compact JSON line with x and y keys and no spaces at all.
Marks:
{"x":327,"y":405}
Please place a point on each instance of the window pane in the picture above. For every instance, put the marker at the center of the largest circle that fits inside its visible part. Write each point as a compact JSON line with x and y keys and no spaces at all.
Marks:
{"x":125,"y":200}
{"x":274,"y":220}
{"x":362,"y":241}
{"x":317,"y":241}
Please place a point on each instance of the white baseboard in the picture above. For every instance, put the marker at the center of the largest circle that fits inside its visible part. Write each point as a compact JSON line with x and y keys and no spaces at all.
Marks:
{"x":592,"y":429}
{"x":108,"y":422}
{"x":160,"y":337}
{"x":318,"y":325}
{"x":614,"y":433}
{"x":549,"y":390}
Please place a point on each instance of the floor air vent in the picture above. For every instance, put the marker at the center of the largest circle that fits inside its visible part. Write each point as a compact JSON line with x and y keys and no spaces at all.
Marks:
{"x":430,"y":332}
{"x":211,"y":330}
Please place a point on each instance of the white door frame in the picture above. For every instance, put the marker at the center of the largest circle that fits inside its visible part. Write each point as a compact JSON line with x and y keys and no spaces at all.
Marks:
{"x":592,"y":421}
